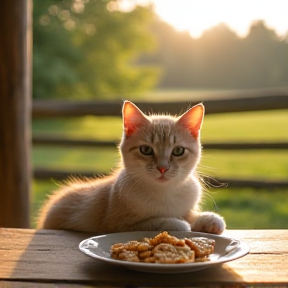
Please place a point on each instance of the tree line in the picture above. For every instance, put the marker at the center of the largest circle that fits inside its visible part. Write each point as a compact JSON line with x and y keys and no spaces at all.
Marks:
{"x":220,"y":59}
{"x":91,"y":49}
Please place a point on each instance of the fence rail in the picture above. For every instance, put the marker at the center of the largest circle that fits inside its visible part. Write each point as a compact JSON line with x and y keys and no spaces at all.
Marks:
{"x":57,"y":108}
{"x":251,"y":102}
{"x":72,"y":142}
{"x":42,"y":173}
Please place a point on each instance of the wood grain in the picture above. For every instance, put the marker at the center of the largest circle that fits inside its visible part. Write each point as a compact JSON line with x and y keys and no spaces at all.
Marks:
{"x":15,"y":112}
{"x":53,"y":256}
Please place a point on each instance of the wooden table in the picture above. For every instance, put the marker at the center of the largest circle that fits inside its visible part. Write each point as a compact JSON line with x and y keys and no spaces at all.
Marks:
{"x":31,"y":258}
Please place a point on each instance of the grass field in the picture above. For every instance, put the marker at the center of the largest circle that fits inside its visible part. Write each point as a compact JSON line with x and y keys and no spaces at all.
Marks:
{"x":242,"y":208}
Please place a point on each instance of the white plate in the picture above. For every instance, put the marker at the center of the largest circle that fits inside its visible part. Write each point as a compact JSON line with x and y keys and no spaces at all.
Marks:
{"x":226,"y":249}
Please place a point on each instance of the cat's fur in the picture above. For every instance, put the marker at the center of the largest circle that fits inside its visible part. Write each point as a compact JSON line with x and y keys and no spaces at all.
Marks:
{"x":155,"y":187}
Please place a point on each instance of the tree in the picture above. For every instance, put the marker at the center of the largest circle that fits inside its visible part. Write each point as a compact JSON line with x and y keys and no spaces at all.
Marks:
{"x":174,"y":54}
{"x":219,"y":55}
{"x":266,"y":57}
{"x":89,"y":49}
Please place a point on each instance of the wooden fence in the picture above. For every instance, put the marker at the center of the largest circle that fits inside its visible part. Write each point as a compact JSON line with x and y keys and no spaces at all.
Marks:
{"x":250,"y":101}
{"x":253,"y":101}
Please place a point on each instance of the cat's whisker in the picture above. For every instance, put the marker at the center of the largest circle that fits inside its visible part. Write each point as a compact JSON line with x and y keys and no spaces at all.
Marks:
{"x":200,"y":165}
{"x":208,"y":156}
{"x":211,"y":181}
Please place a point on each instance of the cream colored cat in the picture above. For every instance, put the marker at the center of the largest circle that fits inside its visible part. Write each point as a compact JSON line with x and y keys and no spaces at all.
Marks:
{"x":155,"y":187}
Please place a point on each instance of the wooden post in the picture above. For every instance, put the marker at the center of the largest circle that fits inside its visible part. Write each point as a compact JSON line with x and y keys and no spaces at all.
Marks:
{"x":15,"y":112}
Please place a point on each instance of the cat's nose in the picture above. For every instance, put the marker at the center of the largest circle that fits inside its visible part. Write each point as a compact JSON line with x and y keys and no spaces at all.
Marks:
{"x":162,"y":169}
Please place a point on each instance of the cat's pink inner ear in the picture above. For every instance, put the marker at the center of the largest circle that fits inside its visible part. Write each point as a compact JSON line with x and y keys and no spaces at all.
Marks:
{"x":192,"y":119}
{"x":133,"y":118}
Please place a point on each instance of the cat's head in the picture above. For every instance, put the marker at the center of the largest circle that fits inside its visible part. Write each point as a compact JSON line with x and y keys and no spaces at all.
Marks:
{"x":161,"y":148}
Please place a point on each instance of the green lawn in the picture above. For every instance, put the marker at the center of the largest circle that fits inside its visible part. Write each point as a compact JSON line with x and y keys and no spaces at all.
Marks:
{"x":246,"y":126}
{"x":242,"y":208}
{"x":249,"y":208}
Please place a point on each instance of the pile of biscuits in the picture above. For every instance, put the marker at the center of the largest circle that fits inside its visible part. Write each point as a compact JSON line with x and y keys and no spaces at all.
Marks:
{"x":164,"y":248}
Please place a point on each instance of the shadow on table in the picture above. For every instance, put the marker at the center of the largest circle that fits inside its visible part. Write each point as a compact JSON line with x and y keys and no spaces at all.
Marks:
{"x":53,"y":256}
{"x":122,"y":276}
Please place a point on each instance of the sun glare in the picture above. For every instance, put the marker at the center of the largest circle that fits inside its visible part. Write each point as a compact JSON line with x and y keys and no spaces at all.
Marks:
{"x":196,"y":16}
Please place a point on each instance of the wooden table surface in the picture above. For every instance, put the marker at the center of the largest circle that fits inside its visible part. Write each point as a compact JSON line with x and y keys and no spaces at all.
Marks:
{"x":31,"y":258}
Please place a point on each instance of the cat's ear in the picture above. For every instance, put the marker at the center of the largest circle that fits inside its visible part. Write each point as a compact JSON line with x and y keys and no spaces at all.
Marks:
{"x":192,"y":119}
{"x":133,"y":118}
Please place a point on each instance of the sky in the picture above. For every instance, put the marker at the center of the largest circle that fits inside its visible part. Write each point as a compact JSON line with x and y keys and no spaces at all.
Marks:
{"x":196,"y":16}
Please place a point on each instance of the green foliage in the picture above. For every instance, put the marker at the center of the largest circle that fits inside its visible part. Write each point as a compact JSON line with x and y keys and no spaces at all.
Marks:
{"x":87,"y":49}
{"x":53,"y":53}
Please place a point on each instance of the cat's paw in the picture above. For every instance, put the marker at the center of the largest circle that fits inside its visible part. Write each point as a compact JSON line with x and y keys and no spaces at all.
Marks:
{"x":173,"y":224}
{"x":209,"y":222}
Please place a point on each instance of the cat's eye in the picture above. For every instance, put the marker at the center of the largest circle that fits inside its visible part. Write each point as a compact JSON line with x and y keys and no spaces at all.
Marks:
{"x":178,"y":151}
{"x":146,"y":150}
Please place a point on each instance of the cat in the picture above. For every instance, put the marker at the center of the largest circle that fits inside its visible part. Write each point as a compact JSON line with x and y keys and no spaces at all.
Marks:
{"x":155,"y":187}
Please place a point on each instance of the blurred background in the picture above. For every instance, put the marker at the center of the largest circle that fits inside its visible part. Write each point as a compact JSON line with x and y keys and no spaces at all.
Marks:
{"x":92,"y":52}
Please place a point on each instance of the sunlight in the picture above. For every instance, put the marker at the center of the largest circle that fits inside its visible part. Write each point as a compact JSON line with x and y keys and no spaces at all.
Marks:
{"x":196,"y":16}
